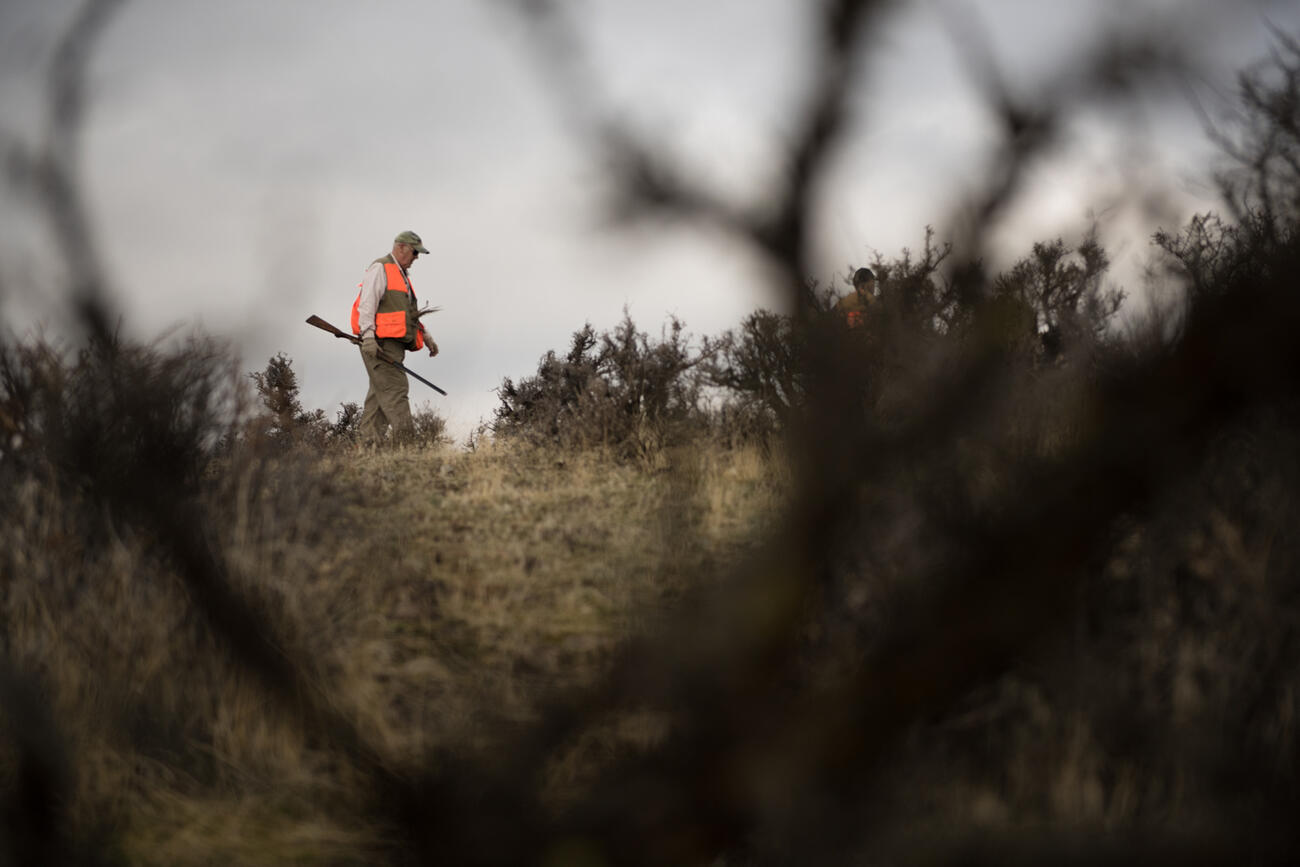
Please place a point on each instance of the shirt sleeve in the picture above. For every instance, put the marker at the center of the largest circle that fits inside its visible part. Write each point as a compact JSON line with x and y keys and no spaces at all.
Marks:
{"x":373,"y":286}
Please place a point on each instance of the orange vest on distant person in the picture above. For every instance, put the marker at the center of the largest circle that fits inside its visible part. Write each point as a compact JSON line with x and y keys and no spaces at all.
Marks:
{"x":854,"y":306}
{"x":395,"y":318}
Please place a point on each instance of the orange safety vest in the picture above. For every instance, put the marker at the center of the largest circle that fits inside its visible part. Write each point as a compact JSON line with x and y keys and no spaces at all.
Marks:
{"x":395,"y":317}
{"x":855,"y":307}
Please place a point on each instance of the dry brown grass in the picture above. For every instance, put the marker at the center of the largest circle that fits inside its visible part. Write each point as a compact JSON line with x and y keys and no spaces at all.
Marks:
{"x":439,"y":595}
{"x":520,"y":571}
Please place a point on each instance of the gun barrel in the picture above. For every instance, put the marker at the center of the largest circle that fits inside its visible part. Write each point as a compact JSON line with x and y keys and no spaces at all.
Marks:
{"x":410,"y":372}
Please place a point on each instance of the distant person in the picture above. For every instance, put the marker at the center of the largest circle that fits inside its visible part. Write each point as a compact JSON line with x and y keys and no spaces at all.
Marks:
{"x":855,"y":305}
{"x":386,"y":315}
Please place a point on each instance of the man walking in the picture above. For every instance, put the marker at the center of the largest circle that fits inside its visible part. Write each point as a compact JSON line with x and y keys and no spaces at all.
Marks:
{"x":386,"y":317}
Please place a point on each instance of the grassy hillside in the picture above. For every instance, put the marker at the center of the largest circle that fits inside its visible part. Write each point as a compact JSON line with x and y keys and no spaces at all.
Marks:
{"x":437,"y":595}
{"x":1056,"y":607}
{"x":439,"y":605}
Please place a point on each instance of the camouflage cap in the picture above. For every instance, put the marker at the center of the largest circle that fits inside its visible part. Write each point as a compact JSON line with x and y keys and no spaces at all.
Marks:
{"x":412,"y":239}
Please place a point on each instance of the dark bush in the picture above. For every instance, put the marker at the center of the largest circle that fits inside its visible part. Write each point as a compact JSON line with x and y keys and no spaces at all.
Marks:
{"x":347,"y":423}
{"x":430,"y":428}
{"x":618,"y":389}
{"x":284,"y":423}
{"x":758,"y":366}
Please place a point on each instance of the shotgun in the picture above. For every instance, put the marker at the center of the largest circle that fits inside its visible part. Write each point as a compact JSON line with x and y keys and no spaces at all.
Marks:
{"x":325,"y":326}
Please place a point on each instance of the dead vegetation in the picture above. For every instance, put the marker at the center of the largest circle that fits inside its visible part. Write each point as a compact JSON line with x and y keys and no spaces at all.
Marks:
{"x":434,"y":597}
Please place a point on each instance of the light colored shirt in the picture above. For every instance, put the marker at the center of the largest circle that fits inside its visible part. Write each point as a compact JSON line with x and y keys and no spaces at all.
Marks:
{"x":373,"y":286}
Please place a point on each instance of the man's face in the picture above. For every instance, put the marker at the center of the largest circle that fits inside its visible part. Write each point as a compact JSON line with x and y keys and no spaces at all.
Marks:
{"x":404,"y":254}
{"x":866,"y":287}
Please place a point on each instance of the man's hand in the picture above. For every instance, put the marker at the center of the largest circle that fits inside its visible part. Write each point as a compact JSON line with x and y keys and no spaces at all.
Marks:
{"x":370,"y":346}
{"x":428,"y":341}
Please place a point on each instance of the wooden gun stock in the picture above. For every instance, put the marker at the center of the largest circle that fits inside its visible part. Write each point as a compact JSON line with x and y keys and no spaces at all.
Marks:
{"x":325,"y":326}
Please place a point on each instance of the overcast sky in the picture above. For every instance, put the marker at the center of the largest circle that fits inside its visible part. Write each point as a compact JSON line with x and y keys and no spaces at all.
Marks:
{"x":244,"y":161}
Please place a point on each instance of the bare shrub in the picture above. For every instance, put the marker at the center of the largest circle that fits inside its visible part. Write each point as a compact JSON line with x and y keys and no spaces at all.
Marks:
{"x":347,"y":423}
{"x":618,"y":389}
{"x":430,"y":428}
{"x":284,"y":424}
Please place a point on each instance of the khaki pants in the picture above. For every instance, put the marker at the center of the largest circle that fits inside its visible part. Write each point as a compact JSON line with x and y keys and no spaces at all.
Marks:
{"x":386,"y":399}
